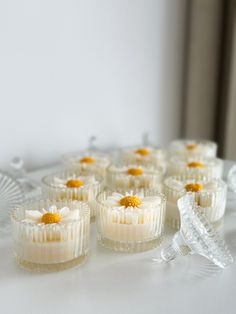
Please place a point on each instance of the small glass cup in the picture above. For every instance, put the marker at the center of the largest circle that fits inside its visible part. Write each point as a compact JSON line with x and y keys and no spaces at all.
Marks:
{"x":148,"y":156}
{"x":193,"y":148}
{"x":72,"y":185}
{"x":120,"y":177}
{"x":195,"y":168}
{"x":44,"y":242}
{"x":88,"y":162}
{"x":131,"y":221}
{"x":209,"y":194}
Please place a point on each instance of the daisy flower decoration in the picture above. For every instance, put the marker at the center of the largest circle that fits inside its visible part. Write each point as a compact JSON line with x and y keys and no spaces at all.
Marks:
{"x":73,"y":181}
{"x":51,"y":215}
{"x":132,"y":201}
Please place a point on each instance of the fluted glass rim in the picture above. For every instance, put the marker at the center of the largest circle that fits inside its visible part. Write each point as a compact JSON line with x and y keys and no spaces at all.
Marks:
{"x":99,"y":180}
{"x":208,"y":161}
{"x":203,"y":179}
{"x":80,"y":154}
{"x":197,"y":141}
{"x":134,"y":191}
{"x":135,"y":147}
{"x":65,"y":203}
{"x":155,"y":171}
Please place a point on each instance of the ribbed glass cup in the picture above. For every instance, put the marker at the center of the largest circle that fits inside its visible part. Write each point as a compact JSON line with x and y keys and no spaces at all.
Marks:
{"x":210,"y":169}
{"x":88,"y":162}
{"x":124,"y":230}
{"x":50,"y":247}
{"x":148,"y":156}
{"x":193,"y":148}
{"x":120,"y":177}
{"x":212,"y":198}
{"x":86,"y":193}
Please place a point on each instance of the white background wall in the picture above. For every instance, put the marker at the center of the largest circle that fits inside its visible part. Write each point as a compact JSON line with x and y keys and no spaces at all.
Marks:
{"x":71,"y":69}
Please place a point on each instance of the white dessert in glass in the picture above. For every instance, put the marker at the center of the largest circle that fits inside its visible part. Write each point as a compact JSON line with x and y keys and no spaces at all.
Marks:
{"x":130,"y":221}
{"x":209,"y":194}
{"x":134,"y":177}
{"x":195,"y":167}
{"x":71,"y":185}
{"x":88,"y":162}
{"x":193,"y":148}
{"x":51,"y":236}
{"x":148,"y":156}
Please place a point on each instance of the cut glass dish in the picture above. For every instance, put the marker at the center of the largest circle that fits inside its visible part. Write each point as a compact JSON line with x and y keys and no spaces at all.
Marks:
{"x":11,"y":195}
{"x":196,"y":236}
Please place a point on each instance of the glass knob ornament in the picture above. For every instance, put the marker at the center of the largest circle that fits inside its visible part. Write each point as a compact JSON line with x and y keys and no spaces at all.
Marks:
{"x":91,"y":143}
{"x":145,"y":139}
{"x":196,"y":236}
{"x":18,"y":171}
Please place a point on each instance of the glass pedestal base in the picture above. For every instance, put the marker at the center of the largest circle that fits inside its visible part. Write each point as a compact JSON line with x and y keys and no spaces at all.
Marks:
{"x":129,"y":247}
{"x":49,"y":267}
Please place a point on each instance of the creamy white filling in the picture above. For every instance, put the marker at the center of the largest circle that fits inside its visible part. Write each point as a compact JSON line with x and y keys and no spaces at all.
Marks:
{"x":132,"y":223}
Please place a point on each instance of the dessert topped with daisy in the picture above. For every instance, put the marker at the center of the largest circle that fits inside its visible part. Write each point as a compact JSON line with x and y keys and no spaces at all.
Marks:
{"x":144,"y":155}
{"x":193,"y":167}
{"x":134,"y":177}
{"x":130,"y":221}
{"x":71,"y":185}
{"x":49,"y":236}
{"x":209,"y":193}
{"x":51,"y":215}
{"x":196,"y":148}
{"x":88,"y":162}
{"x":72,"y":180}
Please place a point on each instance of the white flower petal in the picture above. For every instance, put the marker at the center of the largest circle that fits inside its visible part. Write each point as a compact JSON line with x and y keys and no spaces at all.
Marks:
{"x":64,"y":211}
{"x":151,"y":200}
{"x":33,"y":215}
{"x":111,"y":202}
{"x":43,"y":211}
{"x":52,"y":209}
{"x":72,"y":215}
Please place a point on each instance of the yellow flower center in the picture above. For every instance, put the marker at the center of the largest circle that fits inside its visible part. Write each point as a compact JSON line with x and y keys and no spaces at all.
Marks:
{"x":51,"y":218}
{"x":191,"y":146}
{"x":88,"y":160}
{"x":135,"y":171}
{"x":74,"y":183}
{"x":143,"y":151}
{"x":194,"y":187}
{"x":196,"y":164}
{"x":130,"y":201}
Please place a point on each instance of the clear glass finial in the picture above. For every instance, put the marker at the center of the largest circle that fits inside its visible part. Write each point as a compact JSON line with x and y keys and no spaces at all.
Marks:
{"x":145,"y":139}
{"x":92,"y":140}
{"x":196,"y":236}
{"x":18,"y":171}
{"x":17,"y":166}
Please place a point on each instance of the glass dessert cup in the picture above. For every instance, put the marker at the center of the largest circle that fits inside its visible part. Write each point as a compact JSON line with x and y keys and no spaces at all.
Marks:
{"x":88,"y":162}
{"x":51,"y":236}
{"x":210,"y":195}
{"x":196,"y":168}
{"x":121,"y":177}
{"x":130,"y":221}
{"x":148,"y":156}
{"x":196,"y":236}
{"x":193,"y":148}
{"x":72,"y":185}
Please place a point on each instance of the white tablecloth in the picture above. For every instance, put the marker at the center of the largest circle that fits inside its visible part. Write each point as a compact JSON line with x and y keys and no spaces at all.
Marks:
{"x":118,"y":283}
